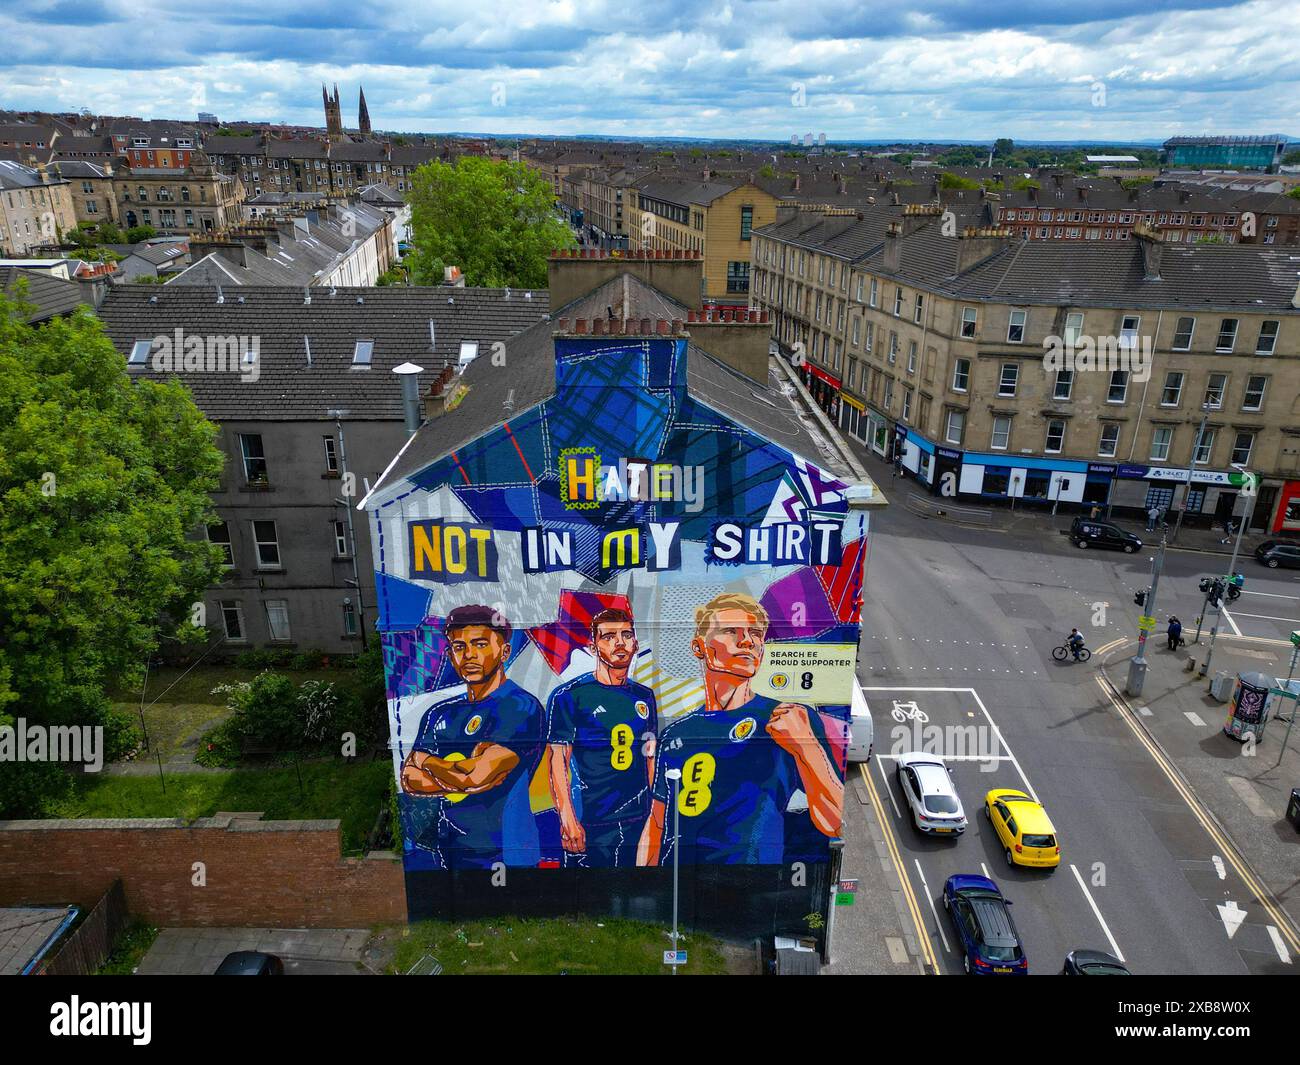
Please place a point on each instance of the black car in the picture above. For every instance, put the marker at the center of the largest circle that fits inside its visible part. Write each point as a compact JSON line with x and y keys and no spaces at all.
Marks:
{"x":1274,"y":553}
{"x":250,"y":963}
{"x":1093,"y":963}
{"x":1085,"y":532}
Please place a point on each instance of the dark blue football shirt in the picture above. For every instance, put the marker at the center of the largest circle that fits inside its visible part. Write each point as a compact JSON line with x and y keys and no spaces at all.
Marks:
{"x":498,"y":824}
{"x":606,"y":726}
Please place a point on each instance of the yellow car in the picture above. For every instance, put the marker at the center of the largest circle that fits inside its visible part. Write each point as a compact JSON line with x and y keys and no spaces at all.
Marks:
{"x":1027,"y":834}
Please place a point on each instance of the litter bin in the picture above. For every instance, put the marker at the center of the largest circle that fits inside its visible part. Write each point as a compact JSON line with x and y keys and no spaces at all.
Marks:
{"x":1293,"y":809}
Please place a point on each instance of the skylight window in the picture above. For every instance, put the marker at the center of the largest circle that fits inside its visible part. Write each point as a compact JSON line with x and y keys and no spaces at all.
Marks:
{"x":140,"y":352}
{"x":361,"y":354}
{"x":468,"y":353}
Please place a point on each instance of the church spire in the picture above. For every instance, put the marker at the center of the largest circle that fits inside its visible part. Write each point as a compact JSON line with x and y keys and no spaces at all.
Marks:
{"x":363,"y":116}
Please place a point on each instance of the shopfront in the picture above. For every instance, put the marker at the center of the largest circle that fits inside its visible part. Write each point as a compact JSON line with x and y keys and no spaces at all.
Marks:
{"x":1213,"y":495}
{"x":1288,"y":509}
{"x":1045,"y":480}
{"x":824,"y":388}
{"x":853,"y":417}
{"x":915,"y":453}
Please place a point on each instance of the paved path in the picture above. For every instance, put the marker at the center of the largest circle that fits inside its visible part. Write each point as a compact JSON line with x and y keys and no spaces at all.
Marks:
{"x":304,"y":951}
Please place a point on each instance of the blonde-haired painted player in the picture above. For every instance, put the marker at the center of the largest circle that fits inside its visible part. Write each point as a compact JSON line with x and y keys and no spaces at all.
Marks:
{"x":742,"y":756}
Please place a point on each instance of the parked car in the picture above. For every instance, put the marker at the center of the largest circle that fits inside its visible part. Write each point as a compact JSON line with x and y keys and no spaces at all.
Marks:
{"x":862,"y":731}
{"x":931,"y":795}
{"x":1274,"y":553}
{"x":1022,"y":825}
{"x":981,"y":915}
{"x":1093,"y":963}
{"x":250,"y":963}
{"x":1084,"y":532}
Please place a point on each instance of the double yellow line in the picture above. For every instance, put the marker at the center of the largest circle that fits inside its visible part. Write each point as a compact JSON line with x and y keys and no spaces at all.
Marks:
{"x":913,"y":907}
{"x":1280,"y":918}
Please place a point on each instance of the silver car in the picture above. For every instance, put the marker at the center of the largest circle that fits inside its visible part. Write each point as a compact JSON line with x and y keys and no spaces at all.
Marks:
{"x":928,"y":789}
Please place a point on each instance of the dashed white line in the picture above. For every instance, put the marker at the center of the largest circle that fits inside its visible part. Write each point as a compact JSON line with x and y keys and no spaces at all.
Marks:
{"x":1096,"y":912}
{"x":1194,"y":718}
{"x":929,"y":897}
{"x":1228,"y":617}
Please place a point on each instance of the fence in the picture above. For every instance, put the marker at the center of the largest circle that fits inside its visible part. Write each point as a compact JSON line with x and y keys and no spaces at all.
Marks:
{"x":91,"y":942}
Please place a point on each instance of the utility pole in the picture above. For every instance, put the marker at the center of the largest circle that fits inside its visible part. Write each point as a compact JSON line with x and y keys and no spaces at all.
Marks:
{"x":675,"y":775}
{"x":1137,"y":667}
{"x":346,"y":502}
{"x":1191,"y":466}
{"x":1248,"y":485}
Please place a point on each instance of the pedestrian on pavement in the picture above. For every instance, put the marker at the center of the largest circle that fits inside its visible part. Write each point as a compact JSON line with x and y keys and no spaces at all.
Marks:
{"x":1228,"y":529}
{"x":1095,"y":512}
{"x":1153,"y":516}
{"x":1175,"y":633}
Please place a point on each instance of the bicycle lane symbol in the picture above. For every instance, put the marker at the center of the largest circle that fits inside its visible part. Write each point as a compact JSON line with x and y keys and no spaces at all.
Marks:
{"x":908,"y":711}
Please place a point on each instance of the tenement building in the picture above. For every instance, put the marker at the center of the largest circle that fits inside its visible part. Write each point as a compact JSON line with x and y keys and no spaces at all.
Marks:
{"x":1074,"y":375}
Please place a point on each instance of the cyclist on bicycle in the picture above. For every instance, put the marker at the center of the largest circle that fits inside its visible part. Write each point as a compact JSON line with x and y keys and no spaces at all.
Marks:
{"x":1075,"y":642}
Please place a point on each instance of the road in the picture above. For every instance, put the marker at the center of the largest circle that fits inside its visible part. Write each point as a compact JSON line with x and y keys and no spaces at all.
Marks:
{"x":961,"y":622}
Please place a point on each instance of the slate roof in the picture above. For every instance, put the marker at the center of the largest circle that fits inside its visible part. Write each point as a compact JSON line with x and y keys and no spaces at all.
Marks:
{"x":396,"y":318}
{"x":528,"y":378}
{"x":299,"y":261}
{"x":23,"y":931}
{"x":14,"y":175}
{"x":1075,"y":273}
{"x":52,"y":296}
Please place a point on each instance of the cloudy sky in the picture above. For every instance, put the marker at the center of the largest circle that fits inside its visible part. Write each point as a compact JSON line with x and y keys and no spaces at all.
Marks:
{"x":960,"y":69}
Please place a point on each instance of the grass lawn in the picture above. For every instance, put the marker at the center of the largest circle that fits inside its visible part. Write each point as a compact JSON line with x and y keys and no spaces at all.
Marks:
{"x":170,"y":724}
{"x":535,"y":946}
{"x":333,"y":789}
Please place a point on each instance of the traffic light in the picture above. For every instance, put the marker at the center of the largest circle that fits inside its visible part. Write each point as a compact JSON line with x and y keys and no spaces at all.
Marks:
{"x":1140,"y":598}
{"x":1216,"y":592}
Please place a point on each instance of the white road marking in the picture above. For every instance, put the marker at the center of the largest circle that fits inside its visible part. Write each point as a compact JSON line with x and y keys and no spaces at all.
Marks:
{"x":1005,"y":745}
{"x":1278,"y":945}
{"x":1228,"y":617}
{"x":1194,"y":718}
{"x":885,"y":779}
{"x":986,"y":870}
{"x":930,"y":899}
{"x":1246,"y":793}
{"x":1232,"y":915}
{"x":1267,"y":617}
{"x":1219,"y":868}
{"x":1096,"y":912}
{"x":1145,"y":711}
{"x":1271,"y":595}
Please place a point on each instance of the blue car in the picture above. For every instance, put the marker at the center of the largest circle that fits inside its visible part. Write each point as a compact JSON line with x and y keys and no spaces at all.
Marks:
{"x":989,"y":941}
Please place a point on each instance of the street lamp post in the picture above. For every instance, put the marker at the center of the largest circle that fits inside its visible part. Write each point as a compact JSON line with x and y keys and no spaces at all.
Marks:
{"x":1137,"y":667}
{"x":1248,"y":486}
{"x":675,"y":775}
{"x":1191,"y":466}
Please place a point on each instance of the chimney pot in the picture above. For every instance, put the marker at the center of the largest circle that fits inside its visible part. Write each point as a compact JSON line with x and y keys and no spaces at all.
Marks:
{"x":661,"y":327}
{"x":598,"y":327}
{"x":645,"y":327}
{"x":580,"y":326}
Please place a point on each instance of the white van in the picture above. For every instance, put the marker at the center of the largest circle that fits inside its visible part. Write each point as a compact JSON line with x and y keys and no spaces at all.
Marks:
{"x":862,"y":732}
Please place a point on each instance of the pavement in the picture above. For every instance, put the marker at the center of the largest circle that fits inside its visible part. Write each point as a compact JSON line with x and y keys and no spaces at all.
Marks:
{"x":304,"y":951}
{"x":959,"y":623}
{"x":1038,"y":521}
{"x":1245,"y":787}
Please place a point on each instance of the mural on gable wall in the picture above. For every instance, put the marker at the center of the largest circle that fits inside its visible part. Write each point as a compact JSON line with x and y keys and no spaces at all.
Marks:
{"x":613,"y":603}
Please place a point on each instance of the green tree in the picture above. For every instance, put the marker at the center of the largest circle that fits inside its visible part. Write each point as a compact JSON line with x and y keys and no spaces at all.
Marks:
{"x":1295,"y":193}
{"x":956,"y":181}
{"x":1291,"y":159}
{"x":138,"y":233}
{"x":494,"y":220}
{"x":103,"y":484}
{"x":1003,"y":146}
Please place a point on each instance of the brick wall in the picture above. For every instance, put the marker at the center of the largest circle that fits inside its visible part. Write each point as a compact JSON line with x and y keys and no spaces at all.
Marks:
{"x":282,"y":874}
